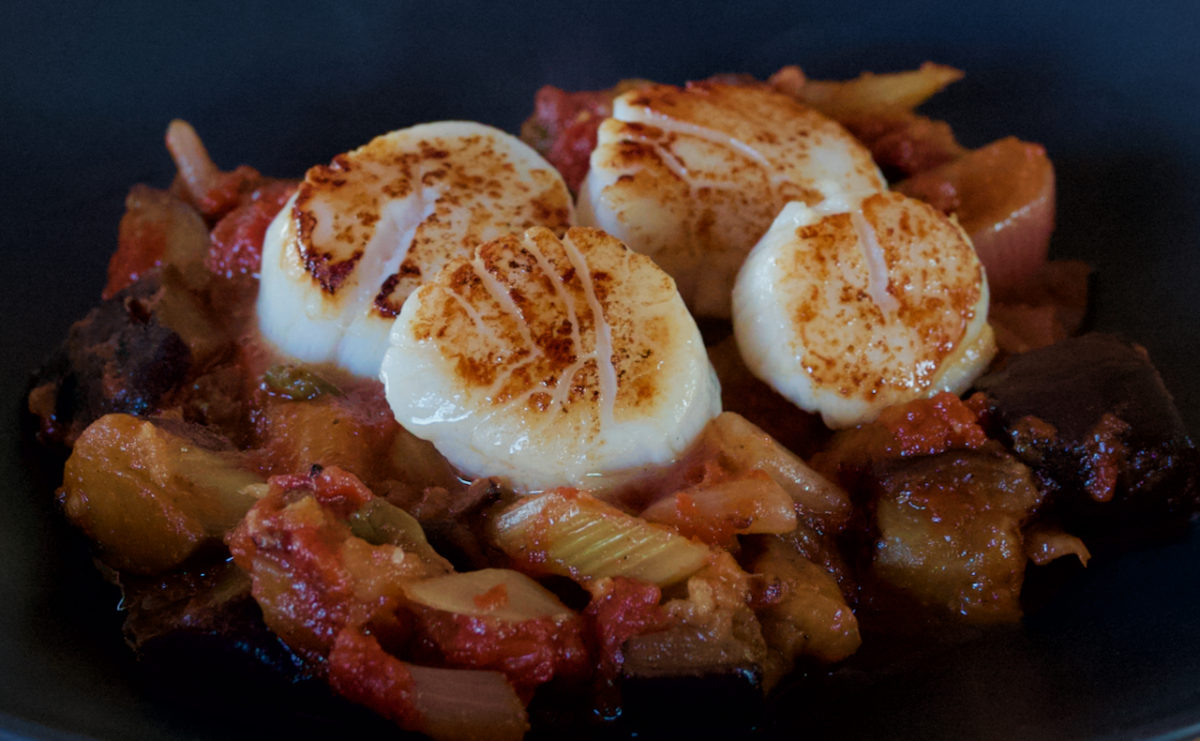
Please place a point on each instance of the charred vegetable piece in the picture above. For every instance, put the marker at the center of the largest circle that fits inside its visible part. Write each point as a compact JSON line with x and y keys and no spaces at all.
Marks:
{"x":667,"y":676}
{"x":710,"y":648}
{"x":161,"y":230}
{"x":170,"y":237}
{"x":121,"y":357}
{"x":949,"y":532}
{"x":697,"y":648}
{"x":149,"y":495}
{"x":570,"y":533}
{"x":919,"y":427}
{"x":1092,"y":416}
{"x":204,"y":618}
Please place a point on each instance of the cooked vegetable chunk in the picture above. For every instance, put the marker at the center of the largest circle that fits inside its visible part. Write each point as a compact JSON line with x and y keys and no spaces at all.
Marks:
{"x":500,"y":593}
{"x":740,"y":447}
{"x":810,"y":617}
{"x":869,"y":94}
{"x":950,"y":532}
{"x":447,"y":704}
{"x":571,"y":533}
{"x":149,"y":494}
{"x":499,"y":619}
{"x":1003,"y":195}
{"x":119,"y":358}
{"x":312,"y":575}
{"x":710,"y":648}
{"x":337,"y":600}
{"x":1092,"y":416}
{"x":353,"y":431}
{"x":716,"y":512}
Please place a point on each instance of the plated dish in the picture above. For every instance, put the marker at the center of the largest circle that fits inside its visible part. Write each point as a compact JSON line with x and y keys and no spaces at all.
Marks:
{"x":525,"y":512}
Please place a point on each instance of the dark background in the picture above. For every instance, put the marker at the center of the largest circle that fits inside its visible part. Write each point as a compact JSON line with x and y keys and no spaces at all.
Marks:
{"x":1111,"y":89}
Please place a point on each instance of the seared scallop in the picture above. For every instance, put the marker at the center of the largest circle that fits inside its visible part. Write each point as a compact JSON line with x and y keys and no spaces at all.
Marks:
{"x":363,"y":232}
{"x":692,"y":177}
{"x":551,"y":362}
{"x":849,"y":312}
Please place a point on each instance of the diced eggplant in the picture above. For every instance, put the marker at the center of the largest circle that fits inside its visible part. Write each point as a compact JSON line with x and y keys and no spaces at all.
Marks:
{"x":207,"y":620}
{"x":693,"y":678}
{"x":119,"y":358}
{"x":709,"y":652}
{"x":949,"y":532}
{"x":810,"y":616}
{"x":1091,"y":415}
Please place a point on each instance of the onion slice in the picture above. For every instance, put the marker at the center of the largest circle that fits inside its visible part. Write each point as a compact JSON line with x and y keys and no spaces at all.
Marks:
{"x":1003,"y":195}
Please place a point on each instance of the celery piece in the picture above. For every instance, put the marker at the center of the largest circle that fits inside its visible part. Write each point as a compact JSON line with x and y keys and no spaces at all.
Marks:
{"x":500,"y":593}
{"x":576,"y":535}
{"x":297,"y":383}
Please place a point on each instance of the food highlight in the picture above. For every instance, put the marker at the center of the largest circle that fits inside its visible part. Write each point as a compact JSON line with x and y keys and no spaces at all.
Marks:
{"x":688,"y":386}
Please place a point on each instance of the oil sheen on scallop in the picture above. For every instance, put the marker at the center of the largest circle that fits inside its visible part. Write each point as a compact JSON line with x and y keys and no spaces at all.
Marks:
{"x":362,"y":232}
{"x":551,"y":362}
{"x":694,"y":176}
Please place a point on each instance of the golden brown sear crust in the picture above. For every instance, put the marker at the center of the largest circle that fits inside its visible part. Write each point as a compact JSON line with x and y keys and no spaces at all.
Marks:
{"x":340,"y":206}
{"x":537,"y":317}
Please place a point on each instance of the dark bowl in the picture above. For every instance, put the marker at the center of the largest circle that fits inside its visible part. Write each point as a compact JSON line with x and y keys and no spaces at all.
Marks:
{"x":1111,"y":89}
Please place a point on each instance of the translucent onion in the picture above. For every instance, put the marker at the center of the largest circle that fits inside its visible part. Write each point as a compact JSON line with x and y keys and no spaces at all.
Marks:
{"x":467,"y":704}
{"x":500,"y":593}
{"x":714,"y":512}
{"x":1003,"y":195}
{"x":745,"y":447}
